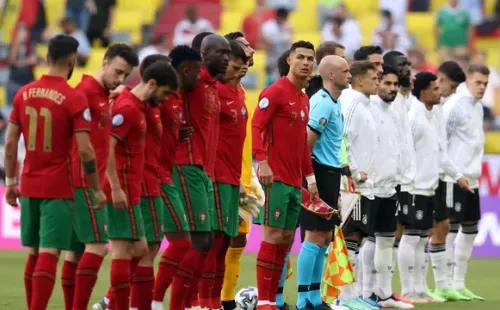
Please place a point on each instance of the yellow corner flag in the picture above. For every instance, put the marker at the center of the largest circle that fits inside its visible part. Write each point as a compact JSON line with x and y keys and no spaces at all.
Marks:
{"x":339,"y":271}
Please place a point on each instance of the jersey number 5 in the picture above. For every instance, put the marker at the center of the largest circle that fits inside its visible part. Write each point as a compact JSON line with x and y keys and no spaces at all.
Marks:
{"x":33,"y":126}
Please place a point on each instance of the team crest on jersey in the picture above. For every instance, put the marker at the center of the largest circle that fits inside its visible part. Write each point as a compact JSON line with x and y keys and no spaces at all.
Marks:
{"x":263,"y":103}
{"x":243,"y":112}
{"x":419,"y":215}
{"x":277,"y":214}
{"x":458,"y":206}
{"x":86,"y":115}
{"x":302,"y":114}
{"x":323,"y":122}
{"x":203,"y":217}
{"x":117,"y":120}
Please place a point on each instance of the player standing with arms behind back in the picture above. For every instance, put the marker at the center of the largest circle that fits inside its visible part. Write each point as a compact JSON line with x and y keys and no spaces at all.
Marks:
{"x":48,"y":113}
{"x":282,"y":113}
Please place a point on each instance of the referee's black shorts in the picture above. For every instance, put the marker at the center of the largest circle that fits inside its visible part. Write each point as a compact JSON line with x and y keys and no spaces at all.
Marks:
{"x":328,"y":182}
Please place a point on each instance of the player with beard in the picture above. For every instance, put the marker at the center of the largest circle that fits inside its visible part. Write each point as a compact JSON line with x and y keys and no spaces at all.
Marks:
{"x":386,"y":162}
{"x":373,"y":54}
{"x":194,"y":164}
{"x":50,"y":115}
{"x":123,"y":186}
{"x":463,"y":114}
{"x":282,"y":164}
{"x":79,"y":275}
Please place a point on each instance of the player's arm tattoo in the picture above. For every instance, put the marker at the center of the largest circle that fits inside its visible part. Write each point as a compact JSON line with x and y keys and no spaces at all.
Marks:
{"x":90,"y":166}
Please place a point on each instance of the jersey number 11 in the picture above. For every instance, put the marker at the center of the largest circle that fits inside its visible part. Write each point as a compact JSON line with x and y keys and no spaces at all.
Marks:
{"x":33,"y":126}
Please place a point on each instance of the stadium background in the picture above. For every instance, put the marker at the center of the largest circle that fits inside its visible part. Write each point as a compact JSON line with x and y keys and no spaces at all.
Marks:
{"x":137,"y":22}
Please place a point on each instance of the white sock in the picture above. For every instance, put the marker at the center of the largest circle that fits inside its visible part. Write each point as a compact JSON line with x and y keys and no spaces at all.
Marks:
{"x":106,"y":300}
{"x":439,"y":267}
{"x":394,"y":257}
{"x":463,"y":251}
{"x":450,"y":253}
{"x":156,"y":305}
{"x":406,"y":260}
{"x":419,"y":275}
{"x":427,"y":258}
{"x":349,"y":291}
{"x":133,"y":308}
{"x":367,"y":265}
{"x":383,"y":264}
{"x":359,"y":272}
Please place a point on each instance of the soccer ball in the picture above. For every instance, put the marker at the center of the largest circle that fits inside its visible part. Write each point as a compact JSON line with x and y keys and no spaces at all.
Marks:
{"x":246,"y":298}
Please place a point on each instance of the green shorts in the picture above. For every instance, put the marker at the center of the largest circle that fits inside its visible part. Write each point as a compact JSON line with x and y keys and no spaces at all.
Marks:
{"x":125,"y":224}
{"x":196,"y":188}
{"x":174,"y":215}
{"x":47,"y":223}
{"x":152,"y":216}
{"x":90,"y":224}
{"x":282,"y":207}
{"x":225,"y":214}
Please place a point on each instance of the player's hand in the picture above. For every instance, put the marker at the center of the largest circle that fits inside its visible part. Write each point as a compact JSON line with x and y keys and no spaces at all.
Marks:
{"x":265,"y":173}
{"x":119,"y":198}
{"x":363,"y":176}
{"x":185,"y":132}
{"x":11,"y":195}
{"x":463,"y":182}
{"x":313,"y":191}
{"x":243,"y":195}
{"x":115,"y":92}
{"x":100,"y":199}
{"x":350,"y":185}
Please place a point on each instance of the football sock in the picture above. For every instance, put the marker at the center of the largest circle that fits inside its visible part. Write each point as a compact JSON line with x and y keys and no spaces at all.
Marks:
{"x":29,"y":268}
{"x":426,"y":264}
{"x":208,"y":275}
{"x":280,"y":300}
{"x":394,"y":257}
{"x":143,"y":278}
{"x":279,"y":269}
{"x":265,"y":269}
{"x":232,"y":273}
{"x":167,"y":268}
{"x":450,"y":256}
{"x":305,"y":267}
{"x":85,"y":279}
{"x":216,"y":302}
{"x":349,"y":291}
{"x":184,"y":278}
{"x":68,"y":282}
{"x":120,"y":283}
{"x":438,"y":257}
{"x":419,"y":276}
{"x":314,"y":289}
{"x":133,"y":285}
{"x":359,"y":273}
{"x":366,"y":263}
{"x":43,"y":280}
{"x":463,"y":251}
{"x":384,"y":243}
{"x":406,"y":259}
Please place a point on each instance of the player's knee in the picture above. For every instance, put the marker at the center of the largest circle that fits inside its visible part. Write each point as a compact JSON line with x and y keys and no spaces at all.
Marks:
{"x":100,"y":249}
{"x":202,"y":241}
{"x":121,"y":249}
{"x":272,"y":235}
{"x":288,"y":236}
{"x":33,"y":251}
{"x":140,"y":248}
{"x":239,"y":241}
{"x":55,"y":252}
{"x":72,"y":256}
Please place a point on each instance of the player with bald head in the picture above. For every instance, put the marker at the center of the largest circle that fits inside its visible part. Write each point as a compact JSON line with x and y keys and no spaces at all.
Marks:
{"x":325,"y":130}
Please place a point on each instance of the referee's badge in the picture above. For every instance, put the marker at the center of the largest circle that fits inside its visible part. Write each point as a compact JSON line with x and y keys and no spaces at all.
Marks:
{"x":323,"y":122}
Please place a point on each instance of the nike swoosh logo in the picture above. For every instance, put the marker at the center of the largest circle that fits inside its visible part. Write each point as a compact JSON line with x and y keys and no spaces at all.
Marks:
{"x":230,"y":102}
{"x":157,"y":116}
{"x":291,"y":103}
{"x":102,"y":104}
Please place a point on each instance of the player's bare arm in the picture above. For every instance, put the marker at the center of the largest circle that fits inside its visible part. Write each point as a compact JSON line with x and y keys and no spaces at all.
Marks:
{"x":10,"y":163}
{"x":87,"y":157}
{"x":117,"y":193}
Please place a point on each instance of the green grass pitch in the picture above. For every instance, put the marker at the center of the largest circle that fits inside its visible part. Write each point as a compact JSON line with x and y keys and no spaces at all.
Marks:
{"x":482,"y":278}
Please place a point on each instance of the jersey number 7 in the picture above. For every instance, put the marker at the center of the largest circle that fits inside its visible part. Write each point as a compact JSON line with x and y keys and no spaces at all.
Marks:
{"x":33,"y":125}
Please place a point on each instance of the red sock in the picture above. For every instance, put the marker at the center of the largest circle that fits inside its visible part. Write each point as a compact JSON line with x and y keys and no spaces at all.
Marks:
{"x":168,"y":266}
{"x":279,"y":264}
{"x":208,"y":275}
{"x":192,"y":299}
{"x":144,"y":278}
{"x":43,"y":280}
{"x":134,"y":297}
{"x":68,"y":283}
{"x":215,"y":299}
{"x":110,"y":297}
{"x":86,"y":277}
{"x":265,"y":269}
{"x":120,"y":283}
{"x":184,"y":278}
{"x":28,"y":274}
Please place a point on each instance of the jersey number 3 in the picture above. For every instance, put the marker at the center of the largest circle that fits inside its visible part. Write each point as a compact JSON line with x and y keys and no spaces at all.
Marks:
{"x":33,"y":126}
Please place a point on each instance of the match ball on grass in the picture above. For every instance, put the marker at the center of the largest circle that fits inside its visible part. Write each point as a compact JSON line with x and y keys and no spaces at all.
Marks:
{"x":246,"y":298}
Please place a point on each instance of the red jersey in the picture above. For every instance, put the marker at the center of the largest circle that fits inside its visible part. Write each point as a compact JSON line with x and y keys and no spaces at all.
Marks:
{"x":49,"y":112}
{"x":128,"y":125}
{"x":151,"y":185}
{"x":172,"y":116}
{"x":97,"y":99}
{"x":279,"y":132}
{"x":200,"y":106}
{"x":232,"y":133}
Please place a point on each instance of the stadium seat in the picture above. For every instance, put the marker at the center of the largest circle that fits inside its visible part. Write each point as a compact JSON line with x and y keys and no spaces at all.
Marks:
{"x":230,"y":21}
{"x":438,"y":4}
{"x":367,"y":24}
{"x":361,"y":7}
{"x":421,"y":25}
{"x":129,"y":21}
{"x":304,"y":20}
{"x":312,"y":36}
{"x":95,"y":59}
{"x":240,"y":6}
{"x":3,"y":96}
{"x":55,"y":11}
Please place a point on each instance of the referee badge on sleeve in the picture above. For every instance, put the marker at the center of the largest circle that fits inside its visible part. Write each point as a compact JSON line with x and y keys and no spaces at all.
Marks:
{"x":323,"y":122}
{"x":263,"y":103}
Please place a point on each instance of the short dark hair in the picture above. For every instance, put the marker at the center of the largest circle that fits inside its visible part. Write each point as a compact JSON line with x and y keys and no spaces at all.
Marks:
{"x":163,"y":73}
{"x":365,"y":51}
{"x":123,"y":51}
{"x":422,"y":82}
{"x":315,"y":84}
{"x":196,"y":43}
{"x":182,"y":53}
{"x":234,"y":35}
{"x":388,"y":69}
{"x":301,"y":44}
{"x":327,"y":48}
{"x":390,"y":56}
{"x":237,"y":51}
{"x":282,"y":63}
{"x":61,"y":47}
{"x":386,"y":13}
{"x":282,"y":12}
{"x":479,"y":69}
{"x":452,"y":71}
{"x":146,"y":62}
{"x":361,"y":67}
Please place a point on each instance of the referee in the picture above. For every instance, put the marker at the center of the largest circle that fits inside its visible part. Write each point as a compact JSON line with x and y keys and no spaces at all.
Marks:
{"x":324,"y":138}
